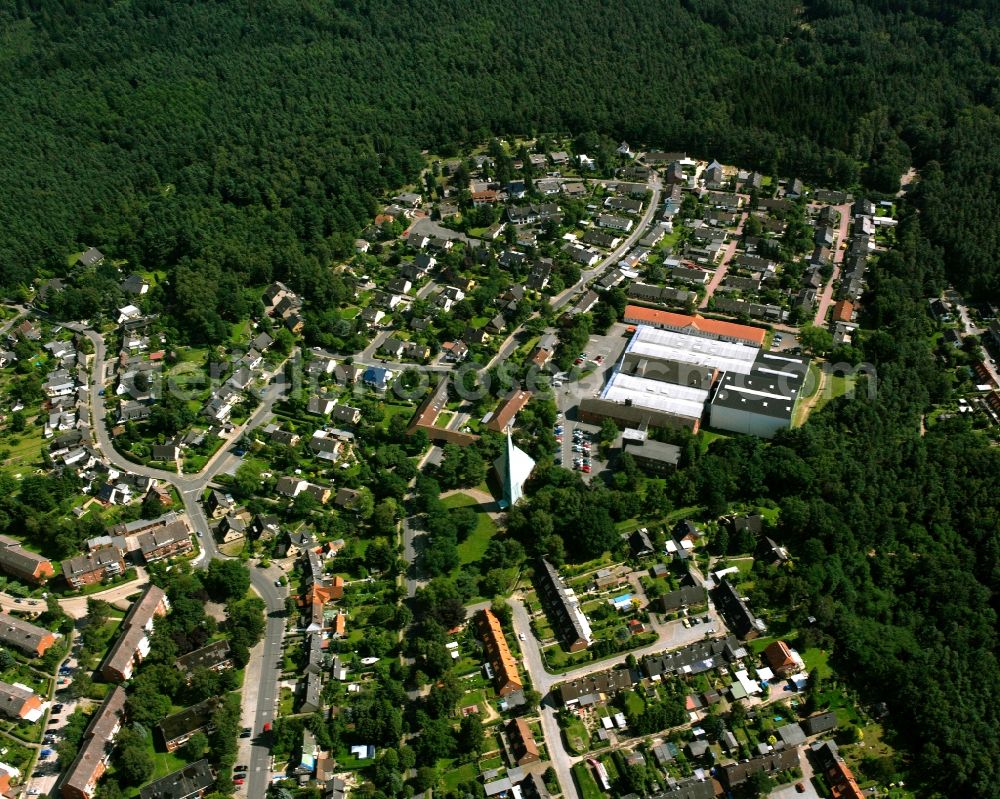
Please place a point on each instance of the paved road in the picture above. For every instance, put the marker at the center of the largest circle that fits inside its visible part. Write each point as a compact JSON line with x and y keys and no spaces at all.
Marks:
{"x":671,"y":636}
{"x":191,"y":487}
{"x":826,"y":298}
{"x":588,"y":275}
{"x":270,"y":675}
{"x":76,"y":606}
{"x":723,"y":267}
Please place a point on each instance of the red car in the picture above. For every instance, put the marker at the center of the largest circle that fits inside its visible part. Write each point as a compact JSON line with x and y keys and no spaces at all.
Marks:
{"x":578,"y":361}
{"x":267,"y":726}
{"x":238,"y":780}
{"x":585,"y":469}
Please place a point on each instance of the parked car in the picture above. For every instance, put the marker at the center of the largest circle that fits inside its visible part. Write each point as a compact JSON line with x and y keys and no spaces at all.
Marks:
{"x":267,"y":726}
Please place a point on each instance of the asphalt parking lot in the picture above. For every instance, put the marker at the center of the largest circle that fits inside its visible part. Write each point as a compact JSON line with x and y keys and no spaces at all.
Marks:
{"x":788,"y":342}
{"x":602,"y":354}
{"x":48,"y":768}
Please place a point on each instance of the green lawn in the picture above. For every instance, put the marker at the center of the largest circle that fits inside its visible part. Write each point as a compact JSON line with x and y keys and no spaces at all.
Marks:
{"x":576,"y":736}
{"x":585,"y":782}
{"x":26,"y":452}
{"x":453,"y":776}
{"x":474,"y":547}
{"x":836,"y":386}
{"x":634,"y":703}
{"x":163,"y":762}
{"x":817,"y":659}
{"x":395,"y":410}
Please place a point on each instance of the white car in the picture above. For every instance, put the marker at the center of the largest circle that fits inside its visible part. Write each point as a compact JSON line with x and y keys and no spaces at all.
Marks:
{"x":521,"y":636}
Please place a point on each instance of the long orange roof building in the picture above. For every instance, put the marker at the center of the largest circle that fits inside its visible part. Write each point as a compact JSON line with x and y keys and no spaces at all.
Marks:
{"x":498,"y":653}
{"x":694,"y":325}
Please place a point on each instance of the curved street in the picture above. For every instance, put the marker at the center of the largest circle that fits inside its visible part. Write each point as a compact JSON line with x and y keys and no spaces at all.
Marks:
{"x":266,"y":655}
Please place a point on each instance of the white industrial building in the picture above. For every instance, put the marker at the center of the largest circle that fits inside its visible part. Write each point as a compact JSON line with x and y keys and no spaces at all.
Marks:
{"x":669,"y":345}
{"x":668,"y":378}
{"x":762,"y":402}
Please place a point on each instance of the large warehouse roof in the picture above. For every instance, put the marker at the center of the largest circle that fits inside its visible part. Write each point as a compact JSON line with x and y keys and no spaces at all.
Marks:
{"x":770,"y":389}
{"x":679,"y":400}
{"x":668,"y":345}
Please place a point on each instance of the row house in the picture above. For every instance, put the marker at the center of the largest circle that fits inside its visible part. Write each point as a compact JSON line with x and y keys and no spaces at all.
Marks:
{"x":133,"y":644}
{"x":80,"y":781}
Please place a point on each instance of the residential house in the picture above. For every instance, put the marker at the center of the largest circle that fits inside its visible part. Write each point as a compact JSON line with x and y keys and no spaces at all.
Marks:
{"x":372,"y":316}
{"x":596,"y":688}
{"x":598,"y":238}
{"x":20,"y":703}
{"x":290,"y":487}
{"x":23,"y":564}
{"x":735,"y":774}
{"x":234,"y":526}
{"x":498,"y":654}
{"x":219,"y":504}
{"x":506,"y":414}
{"x":769,"y":551}
{"x":325,"y":445}
{"x":563,"y":609}
{"x":820,"y":723}
{"x":581,"y":255}
{"x":215,"y":656}
{"x":455,"y":351}
{"x":347,"y":498}
{"x":24,"y":636}
{"x":190,"y":782}
{"x":311,"y":693}
{"x":738,"y":616}
{"x":345,"y":414}
{"x":695,"y":658}
{"x":377,"y":377}
{"x":94,"y":567}
{"x":836,"y":774}
{"x":523,"y":749}
{"x":713,"y":175}
{"x":782,"y":659}
{"x":165,"y":540}
{"x":132,"y":644}
{"x":91,"y":761}
{"x":178,"y":728}
{"x":91,"y":257}
{"x":135,"y":284}
{"x":265,"y":528}
{"x":613,"y":222}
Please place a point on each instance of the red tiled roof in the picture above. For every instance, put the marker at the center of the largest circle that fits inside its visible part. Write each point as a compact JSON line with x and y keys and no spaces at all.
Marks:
{"x":843,"y":311}
{"x":636,"y":314}
{"x":505,"y":414}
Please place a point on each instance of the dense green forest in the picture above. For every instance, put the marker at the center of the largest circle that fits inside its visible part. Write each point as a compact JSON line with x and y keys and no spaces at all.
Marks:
{"x":250,"y":140}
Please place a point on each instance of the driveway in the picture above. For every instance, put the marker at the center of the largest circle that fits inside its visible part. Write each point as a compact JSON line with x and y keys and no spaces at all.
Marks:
{"x":723,"y":267}
{"x":826,"y":298}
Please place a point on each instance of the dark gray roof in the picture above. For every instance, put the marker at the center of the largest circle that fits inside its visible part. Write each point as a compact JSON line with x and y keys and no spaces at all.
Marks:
{"x":207,"y":657}
{"x":694,"y":658}
{"x":187,"y":721}
{"x":188,"y":781}
{"x":770,"y":389}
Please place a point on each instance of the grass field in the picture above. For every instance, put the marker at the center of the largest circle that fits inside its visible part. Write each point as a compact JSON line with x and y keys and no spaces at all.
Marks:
{"x":26,"y":452}
{"x":454,"y":776}
{"x":585,"y":782}
{"x":577,"y":738}
{"x":474,"y":547}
